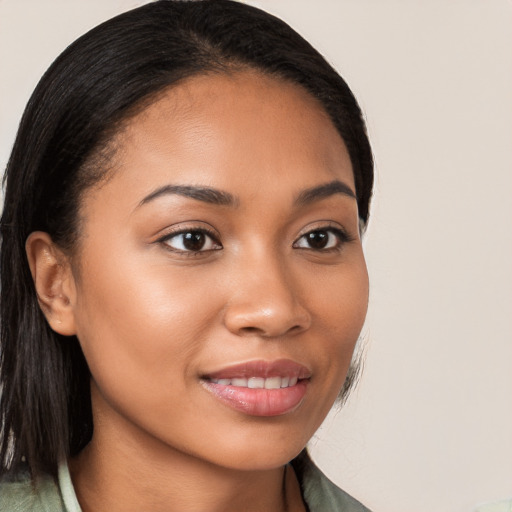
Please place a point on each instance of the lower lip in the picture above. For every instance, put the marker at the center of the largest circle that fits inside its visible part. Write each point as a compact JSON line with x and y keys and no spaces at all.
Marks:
{"x":260,"y":402}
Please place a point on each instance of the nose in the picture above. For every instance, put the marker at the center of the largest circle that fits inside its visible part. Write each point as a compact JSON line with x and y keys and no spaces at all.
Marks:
{"x":266,"y":301}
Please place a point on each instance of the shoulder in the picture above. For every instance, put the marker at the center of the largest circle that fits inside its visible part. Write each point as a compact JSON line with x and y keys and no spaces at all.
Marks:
{"x":320,"y":494}
{"x":19,"y":494}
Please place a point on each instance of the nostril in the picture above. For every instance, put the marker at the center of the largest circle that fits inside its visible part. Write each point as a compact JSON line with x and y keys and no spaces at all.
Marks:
{"x":251,"y":330}
{"x":268,"y":333}
{"x":296,"y":328}
{"x":268,"y":319}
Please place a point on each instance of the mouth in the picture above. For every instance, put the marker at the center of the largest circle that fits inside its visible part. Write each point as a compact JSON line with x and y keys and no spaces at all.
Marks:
{"x":260,"y":388}
{"x":258,"y":382}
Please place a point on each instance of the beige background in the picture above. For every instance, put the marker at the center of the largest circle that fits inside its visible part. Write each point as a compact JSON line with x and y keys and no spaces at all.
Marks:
{"x":430,"y":427}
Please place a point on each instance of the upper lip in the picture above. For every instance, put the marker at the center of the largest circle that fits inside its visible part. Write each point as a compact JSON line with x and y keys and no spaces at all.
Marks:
{"x":261,"y":368}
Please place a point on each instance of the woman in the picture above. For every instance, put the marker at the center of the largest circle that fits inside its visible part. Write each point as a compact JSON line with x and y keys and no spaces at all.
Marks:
{"x":183,"y":282}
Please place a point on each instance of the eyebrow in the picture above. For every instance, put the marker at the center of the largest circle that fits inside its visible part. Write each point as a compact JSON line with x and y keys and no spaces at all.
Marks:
{"x":324,"y":191}
{"x":221,"y":198}
{"x":204,"y":194}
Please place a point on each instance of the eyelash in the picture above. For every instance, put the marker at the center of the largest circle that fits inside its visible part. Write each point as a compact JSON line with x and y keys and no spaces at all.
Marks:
{"x":202,"y":231}
{"x":341,"y":236}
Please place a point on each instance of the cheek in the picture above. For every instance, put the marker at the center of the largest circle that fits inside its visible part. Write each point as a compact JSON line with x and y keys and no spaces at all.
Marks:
{"x":134,"y":318}
{"x":339,"y":304}
{"x":345,"y":314}
{"x":339,"y":301}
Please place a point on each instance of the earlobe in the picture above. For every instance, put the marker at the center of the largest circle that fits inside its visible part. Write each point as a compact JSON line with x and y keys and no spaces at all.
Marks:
{"x":53,"y":281}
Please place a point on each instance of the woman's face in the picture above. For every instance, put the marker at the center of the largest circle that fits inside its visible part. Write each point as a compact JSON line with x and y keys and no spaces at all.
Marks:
{"x":220,"y":284}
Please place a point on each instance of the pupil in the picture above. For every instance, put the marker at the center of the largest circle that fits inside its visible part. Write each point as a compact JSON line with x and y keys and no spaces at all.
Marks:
{"x":318,"y":239}
{"x":193,"y":241}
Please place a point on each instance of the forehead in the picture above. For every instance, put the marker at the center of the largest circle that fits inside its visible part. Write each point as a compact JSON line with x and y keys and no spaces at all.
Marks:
{"x":231,"y":131}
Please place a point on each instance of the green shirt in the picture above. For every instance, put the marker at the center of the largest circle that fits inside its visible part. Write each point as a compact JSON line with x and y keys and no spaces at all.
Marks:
{"x":319,"y":493}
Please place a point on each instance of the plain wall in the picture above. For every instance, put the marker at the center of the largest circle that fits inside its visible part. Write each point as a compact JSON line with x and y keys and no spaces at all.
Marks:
{"x":430,"y":426}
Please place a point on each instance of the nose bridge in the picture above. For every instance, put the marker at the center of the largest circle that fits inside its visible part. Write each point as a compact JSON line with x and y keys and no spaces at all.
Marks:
{"x":266,"y":298}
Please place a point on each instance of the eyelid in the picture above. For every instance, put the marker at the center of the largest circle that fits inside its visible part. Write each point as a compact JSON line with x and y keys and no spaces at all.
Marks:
{"x":333,"y":227}
{"x":323,"y":225}
{"x":187,"y":227}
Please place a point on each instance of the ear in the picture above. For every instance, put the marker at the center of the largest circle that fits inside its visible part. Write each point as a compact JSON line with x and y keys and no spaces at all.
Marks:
{"x":53,"y":280}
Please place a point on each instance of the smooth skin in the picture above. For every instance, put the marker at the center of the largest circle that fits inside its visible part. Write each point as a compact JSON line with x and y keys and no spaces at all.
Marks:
{"x":164,"y":288}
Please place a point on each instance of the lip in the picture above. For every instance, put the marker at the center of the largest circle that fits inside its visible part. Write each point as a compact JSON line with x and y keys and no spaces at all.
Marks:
{"x":260,"y":402}
{"x":263,"y":369}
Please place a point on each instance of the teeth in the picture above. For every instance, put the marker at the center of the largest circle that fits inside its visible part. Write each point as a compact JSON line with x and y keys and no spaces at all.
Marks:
{"x":273,"y":383}
{"x":258,"y":382}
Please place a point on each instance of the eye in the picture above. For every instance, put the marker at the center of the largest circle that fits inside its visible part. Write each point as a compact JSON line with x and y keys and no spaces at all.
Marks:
{"x":191,"y":240}
{"x":322,"y":239}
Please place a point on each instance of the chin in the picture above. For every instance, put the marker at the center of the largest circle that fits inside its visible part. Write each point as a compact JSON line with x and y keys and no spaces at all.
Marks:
{"x":260,"y":460}
{"x":260,"y":451}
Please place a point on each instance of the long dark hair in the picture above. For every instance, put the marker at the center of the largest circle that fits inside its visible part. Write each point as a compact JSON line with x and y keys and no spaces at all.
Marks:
{"x":103,"y":78}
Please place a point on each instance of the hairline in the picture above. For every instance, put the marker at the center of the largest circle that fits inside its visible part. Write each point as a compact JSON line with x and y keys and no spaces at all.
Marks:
{"x":104,"y":154}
